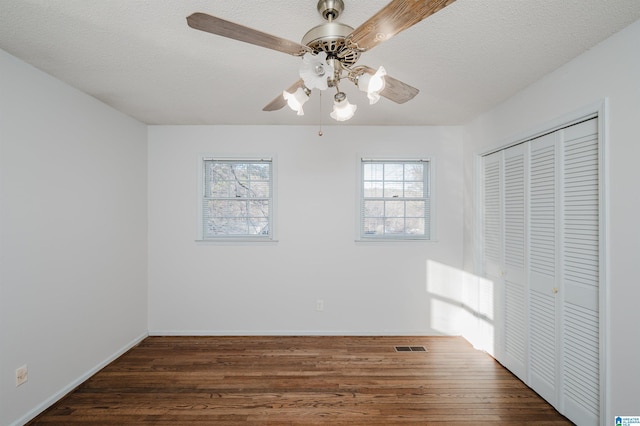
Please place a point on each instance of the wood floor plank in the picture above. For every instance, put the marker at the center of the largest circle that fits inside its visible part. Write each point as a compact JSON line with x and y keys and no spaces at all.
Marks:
{"x":302,"y":380}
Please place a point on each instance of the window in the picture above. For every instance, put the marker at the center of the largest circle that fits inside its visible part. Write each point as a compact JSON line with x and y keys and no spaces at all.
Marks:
{"x":237,"y":199}
{"x":395,"y":200}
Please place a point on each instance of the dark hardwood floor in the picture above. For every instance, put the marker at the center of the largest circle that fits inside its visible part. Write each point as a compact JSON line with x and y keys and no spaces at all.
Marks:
{"x":303,"y":381}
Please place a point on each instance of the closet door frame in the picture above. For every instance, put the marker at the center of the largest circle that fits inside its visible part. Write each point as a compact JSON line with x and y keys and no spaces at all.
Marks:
{"x":599,"y":110}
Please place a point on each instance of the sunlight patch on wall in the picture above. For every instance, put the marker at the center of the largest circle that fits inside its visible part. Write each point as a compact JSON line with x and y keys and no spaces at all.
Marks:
{"x":461,"y":303}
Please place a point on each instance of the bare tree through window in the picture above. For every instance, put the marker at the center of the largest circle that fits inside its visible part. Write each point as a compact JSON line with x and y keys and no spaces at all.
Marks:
{"x":237,"y":198}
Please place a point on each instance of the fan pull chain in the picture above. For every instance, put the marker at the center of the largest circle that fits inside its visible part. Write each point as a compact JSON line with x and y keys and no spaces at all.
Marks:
{"x":320,"y":131}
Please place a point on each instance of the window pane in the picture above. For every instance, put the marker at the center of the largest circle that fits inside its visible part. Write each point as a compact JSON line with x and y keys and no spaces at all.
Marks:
{"x":373,"y":171}
{"x":221,"y":188}
{"x":373,"y":226}
{"x":261,"y":171}
{"x":394,"y":226}
{"x":373,"y":189}
{"x":374,"y":209}
{"x":259,"y":189}
{"x":394,"y":208}
{"x":415,"y":209}
{"x":225,"y":208}
{"x":217,"y":226}
{"x":393,"y":171}
{"x":259,"y":208}
{"x":240,"y":171}
{"x":241,"y":189}
{"x":236,"y":226}
{"x":220,"y":171}
{"x":413,"y":171}
{"x":258,"y":226}
{"x":415,"y":226}
{"x":392,"y":189}
{"x":213,"y":227}
{"x":414,"y":189}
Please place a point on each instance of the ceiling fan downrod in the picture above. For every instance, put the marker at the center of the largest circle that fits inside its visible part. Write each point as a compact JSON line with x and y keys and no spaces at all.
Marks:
{"x":330,"y":9}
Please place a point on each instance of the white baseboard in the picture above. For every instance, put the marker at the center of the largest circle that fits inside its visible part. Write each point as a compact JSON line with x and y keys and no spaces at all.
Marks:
{"x":295,"y":333}
{"x":77,"y":382}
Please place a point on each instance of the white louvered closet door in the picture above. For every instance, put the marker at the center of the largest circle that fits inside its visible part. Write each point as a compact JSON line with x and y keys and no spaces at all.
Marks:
{"x":544,"y":281}
{"x":493,"y":249}
{"x":514,"y":297}
{"x":542,"y":252}
{"x":580,"y":394}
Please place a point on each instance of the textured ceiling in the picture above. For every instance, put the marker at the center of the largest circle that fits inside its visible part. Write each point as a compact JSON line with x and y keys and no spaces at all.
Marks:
{"x":140,"y":57}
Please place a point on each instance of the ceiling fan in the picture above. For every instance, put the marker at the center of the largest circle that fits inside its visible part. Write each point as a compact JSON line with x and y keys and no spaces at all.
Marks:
{"x":331,"y":50}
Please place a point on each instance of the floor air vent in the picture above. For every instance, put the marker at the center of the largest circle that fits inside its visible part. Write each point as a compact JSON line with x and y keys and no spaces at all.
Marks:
{"x":410,"y":349}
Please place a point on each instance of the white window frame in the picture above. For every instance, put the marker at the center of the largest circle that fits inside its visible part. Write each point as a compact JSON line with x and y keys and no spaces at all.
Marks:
{"x":202,"y":199}
{"x":428,"y":181}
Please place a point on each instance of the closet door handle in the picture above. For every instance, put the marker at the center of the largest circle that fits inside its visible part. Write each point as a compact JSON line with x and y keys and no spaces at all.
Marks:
{"x":555,"y":290}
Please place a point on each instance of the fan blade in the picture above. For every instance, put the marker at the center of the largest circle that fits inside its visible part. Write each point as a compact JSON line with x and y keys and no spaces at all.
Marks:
{"x":390,"y":20}
{"x":279,"y":101}
{"x":397,"y":91}
{"x":394,"y":89}
{"x":211,"y":24}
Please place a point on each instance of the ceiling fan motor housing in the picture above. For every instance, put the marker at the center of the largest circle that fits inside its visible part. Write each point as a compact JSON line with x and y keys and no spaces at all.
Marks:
{"x":330,"y":37}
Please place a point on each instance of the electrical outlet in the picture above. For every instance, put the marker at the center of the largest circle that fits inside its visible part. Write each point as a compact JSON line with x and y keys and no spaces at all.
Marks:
{"x":22,"y":375}
{"x":319,"y":305}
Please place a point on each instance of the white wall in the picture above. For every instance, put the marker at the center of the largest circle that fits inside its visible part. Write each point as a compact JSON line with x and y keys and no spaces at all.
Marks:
{"x":610,"y":70}
{"x":73,"y":271}
{"x":272,"y":288}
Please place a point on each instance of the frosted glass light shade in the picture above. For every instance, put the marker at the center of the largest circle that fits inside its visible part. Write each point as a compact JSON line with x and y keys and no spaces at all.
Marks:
{"x":296,"y":99}
{"x":373,"y":84}
{"x":315,"y":70}
{"x":343,"y":110}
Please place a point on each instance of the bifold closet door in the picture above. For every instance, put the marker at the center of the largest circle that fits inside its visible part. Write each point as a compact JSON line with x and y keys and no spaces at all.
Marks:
{"x":544,"y":282}
{"x":493,"y":251}
{"x":581,"y":200}
{"x":564,"y":272}
{"x":514,"y":295}
{"x":505,"y":235}
{"x":542,"y":254}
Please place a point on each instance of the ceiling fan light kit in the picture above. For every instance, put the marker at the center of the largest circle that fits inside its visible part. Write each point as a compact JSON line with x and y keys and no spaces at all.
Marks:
{"x":372,"y":84}
{"x":329,"y":52}
{"x":296,"y":99}
{"x":315,"y":71}
{"x":342,"y":109}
